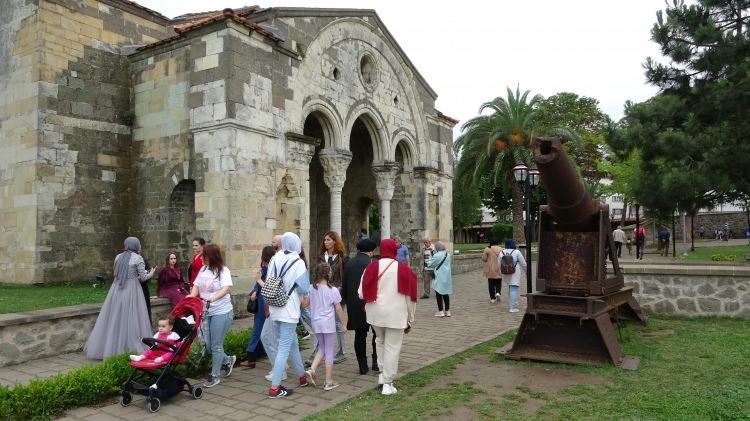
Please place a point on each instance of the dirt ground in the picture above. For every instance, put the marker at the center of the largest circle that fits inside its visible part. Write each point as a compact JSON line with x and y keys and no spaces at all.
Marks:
{"x":506,"y":381}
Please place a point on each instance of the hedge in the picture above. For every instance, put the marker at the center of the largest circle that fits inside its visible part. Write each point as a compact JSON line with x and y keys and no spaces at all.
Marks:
{"x":43,"y":399}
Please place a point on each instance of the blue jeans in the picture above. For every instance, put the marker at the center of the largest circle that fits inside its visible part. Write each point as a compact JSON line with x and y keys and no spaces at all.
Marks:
{"x":288,"y":347}
{"x":218,"y":326}
{"x":269,"y":338}
{"x":513,"y":294}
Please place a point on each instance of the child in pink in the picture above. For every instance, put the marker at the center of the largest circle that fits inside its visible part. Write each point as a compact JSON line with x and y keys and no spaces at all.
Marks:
{"x":160,"y":352}
{"x":325,"y":303}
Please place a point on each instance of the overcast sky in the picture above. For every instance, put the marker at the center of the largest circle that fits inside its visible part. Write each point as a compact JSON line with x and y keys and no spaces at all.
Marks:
{"x":470,"y":51}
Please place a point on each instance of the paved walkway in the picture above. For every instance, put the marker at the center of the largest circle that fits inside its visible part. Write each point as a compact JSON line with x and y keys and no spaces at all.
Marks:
{"x":243,"y":395}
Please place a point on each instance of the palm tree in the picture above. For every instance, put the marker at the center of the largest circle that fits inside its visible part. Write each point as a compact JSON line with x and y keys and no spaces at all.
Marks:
{"x":490,"y":145}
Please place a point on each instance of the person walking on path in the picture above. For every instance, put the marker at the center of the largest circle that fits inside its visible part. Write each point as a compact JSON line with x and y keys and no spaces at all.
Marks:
{"x":170,"y":284}
{"x":389,"y":290}
{"x":443,"y":282}
{"x":663,"y":242}
{"x":402,"y":252}
{"x":427,"y":274}
{"x":296,"y":284}
{"x":332,"y":252}
{"x":269,"y":334}
{"x":196,"y":264}
{"x":620,"y":238}
{"x":212,"y":284}
{"x":123,"y":319}
{"x":512,"y":260}
{"x":254,"y":349}
{"x":629,"y":245}
{"x":490,"y":257}
{"x":325,"y":305}
{"x":640,"y":242}
{"x":355,"y":307}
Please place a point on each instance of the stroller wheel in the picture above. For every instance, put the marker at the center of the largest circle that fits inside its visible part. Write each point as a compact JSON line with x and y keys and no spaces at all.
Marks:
{"x":197,"y":392}
{"x":127,"y":398}
{"x":154,"y":404}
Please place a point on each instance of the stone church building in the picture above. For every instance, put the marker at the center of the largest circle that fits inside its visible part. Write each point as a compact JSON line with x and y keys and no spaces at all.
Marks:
{"x":233,"y":125}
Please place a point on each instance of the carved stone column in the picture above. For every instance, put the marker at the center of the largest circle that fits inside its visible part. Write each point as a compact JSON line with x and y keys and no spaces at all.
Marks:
{"x":335,"y":162}
{"x":385,"y":177}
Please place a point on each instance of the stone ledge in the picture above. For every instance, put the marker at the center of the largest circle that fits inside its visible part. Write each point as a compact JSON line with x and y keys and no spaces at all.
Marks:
{"x":685,"y":270}
{"x":60,"y":312}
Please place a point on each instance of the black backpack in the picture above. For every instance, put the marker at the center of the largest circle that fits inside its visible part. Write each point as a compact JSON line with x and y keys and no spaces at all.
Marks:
{"x":507,"y":264}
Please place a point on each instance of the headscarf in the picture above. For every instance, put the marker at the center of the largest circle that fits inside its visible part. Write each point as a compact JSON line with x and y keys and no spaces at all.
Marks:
{"x":131,"y":245}
{"x":510,"y":244}
{"x":407,"y":280}
{"x":291,"y":246}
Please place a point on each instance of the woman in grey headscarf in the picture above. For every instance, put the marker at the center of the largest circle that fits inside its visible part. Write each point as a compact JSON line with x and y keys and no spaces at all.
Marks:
{"x":123,"y":320}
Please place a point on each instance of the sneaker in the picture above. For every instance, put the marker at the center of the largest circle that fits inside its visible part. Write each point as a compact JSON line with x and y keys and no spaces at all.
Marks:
{"x":492,"y":300}
{"x":513,"y":310}
{"x":279,"y":392}
{"x":158,"y":359}
{"x":497,"y":296}
{"x":389,"y":389}
{"x":330,"y":386}
{"x":303,"y":381}
{"x":310,"y":377}
{"x":339,"y":358}
{"x":269,"y":376}
{"x":211,"y":381}
{"x":227,"y":368}
{"x":447,"y":313}
{"x":375,"y":368}
{"x":440,"y":314}
{"x":425,"y":296}
{"x":136,"y":357}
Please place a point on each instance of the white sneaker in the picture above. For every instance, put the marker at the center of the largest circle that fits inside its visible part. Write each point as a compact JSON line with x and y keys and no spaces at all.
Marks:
{"x":381,"y":380}
{"x":492,"y":301}
{"x":440,"y":314}
{"x":497,"y":295}
{"x":447,"y":313}
{"x":513,"y":310}
{"x":388,"y":389}
{"x":269,"y":376}
{"x":136,"y":357}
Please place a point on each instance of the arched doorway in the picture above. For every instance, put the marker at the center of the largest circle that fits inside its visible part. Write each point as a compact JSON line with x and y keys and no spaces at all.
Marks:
{"x":359,"y":190}
{"x":320,"y":209}
{"x":181,"y":226}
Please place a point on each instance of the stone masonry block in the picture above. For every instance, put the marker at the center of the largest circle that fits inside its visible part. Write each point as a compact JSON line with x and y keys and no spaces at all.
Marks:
{"x":205,"y":63}
{"x":709,"y":305}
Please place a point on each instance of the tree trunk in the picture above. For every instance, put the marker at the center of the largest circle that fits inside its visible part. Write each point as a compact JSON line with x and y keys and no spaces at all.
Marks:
{"x":517,"y":209}
{"x":624,"y":213}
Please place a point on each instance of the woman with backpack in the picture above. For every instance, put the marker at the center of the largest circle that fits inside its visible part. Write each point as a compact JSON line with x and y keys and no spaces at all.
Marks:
{"x":511,"y":259}
{"x":440,"y":262}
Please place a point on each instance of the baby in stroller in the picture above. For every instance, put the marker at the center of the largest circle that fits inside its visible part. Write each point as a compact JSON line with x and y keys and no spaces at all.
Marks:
{"x":160,"y":352}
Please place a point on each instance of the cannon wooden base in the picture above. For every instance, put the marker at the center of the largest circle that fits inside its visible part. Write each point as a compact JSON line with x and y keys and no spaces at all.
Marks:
{"x":576,"y":330}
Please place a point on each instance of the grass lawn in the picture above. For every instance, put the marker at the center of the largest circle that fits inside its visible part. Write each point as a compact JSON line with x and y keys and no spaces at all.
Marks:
{"x":698,"y":372}
{"x":17,"y":298}
{"x":705,"y":253}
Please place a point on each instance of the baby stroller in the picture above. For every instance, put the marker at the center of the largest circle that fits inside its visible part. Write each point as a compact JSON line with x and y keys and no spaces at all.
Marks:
{"x":158,"y":381}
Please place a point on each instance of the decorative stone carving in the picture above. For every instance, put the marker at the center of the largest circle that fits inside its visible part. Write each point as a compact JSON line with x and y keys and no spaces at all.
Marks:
{"x":385,"y":177}
{"x":301,"y":149}
{"x":335,"y":162}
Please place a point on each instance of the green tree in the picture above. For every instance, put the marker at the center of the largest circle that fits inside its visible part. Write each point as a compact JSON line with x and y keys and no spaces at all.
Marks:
{"x":467,"y":206}
{"x":707,"y":44}
{"x":490,"y":145}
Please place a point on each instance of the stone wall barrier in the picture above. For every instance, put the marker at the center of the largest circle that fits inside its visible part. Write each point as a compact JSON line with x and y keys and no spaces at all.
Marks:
{"x":691,"y":290}
{"x":45,"y":333}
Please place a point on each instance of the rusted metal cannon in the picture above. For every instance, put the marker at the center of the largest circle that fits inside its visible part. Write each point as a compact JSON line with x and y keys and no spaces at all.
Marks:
{"x":569,"y":318}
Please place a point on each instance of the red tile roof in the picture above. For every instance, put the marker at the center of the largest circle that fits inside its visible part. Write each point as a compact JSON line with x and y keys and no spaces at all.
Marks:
{"x":225,"y":14}
{"x":444,"y":117}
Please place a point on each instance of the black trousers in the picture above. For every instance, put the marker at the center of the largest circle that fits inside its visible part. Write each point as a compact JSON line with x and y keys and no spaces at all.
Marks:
{"x":618,"y":248}
{"x":495,"y":286}
{"x":443,"y":299}
{"x":360,"y":344}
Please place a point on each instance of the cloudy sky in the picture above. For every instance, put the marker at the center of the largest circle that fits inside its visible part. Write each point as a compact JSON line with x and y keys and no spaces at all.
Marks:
{"x":470,"y":51}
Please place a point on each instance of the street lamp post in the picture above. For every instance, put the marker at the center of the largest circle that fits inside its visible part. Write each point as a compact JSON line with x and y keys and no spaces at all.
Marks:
{"x":527,"y":179}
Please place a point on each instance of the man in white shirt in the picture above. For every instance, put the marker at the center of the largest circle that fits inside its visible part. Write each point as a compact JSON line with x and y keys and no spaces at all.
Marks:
{"x":620,"y":238}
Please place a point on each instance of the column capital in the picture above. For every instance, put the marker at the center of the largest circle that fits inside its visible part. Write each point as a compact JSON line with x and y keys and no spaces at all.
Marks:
{"x":335,"y":162}
{"x":301,"y":148}
{"x":385,"y":178}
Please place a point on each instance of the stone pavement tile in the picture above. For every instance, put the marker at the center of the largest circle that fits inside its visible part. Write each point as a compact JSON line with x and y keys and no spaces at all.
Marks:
{"x":102,"y":417}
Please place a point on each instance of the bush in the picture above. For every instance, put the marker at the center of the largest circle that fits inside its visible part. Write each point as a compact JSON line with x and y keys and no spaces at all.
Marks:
{"x":502,"y":230}
{"x":43,"y":399}
{"x":723,"y":257}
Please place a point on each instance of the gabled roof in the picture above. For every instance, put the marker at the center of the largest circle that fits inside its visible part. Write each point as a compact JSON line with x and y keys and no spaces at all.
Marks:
{"x":450,"y":120}
{"x":143,"y":8}
{"x":191,"y":17}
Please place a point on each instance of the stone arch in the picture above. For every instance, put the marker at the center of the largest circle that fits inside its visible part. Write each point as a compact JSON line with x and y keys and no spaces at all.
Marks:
{"x":328,"y":118}
{"x":403,"y":150}
{"x":351,"y":28}
{"x":375,"y":125}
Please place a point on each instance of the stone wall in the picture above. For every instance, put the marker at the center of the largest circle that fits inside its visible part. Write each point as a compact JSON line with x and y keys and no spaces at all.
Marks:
{"x":692,"y":291}
{"x":463,"y":263}
{"x":44,"y":333}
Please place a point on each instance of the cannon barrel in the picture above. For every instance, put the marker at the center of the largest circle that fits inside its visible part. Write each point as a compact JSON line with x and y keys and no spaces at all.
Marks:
{"x":568,"y":201}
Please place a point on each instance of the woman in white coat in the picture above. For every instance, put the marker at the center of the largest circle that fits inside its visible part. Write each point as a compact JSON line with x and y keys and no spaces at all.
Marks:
{"x":513,"y":280}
